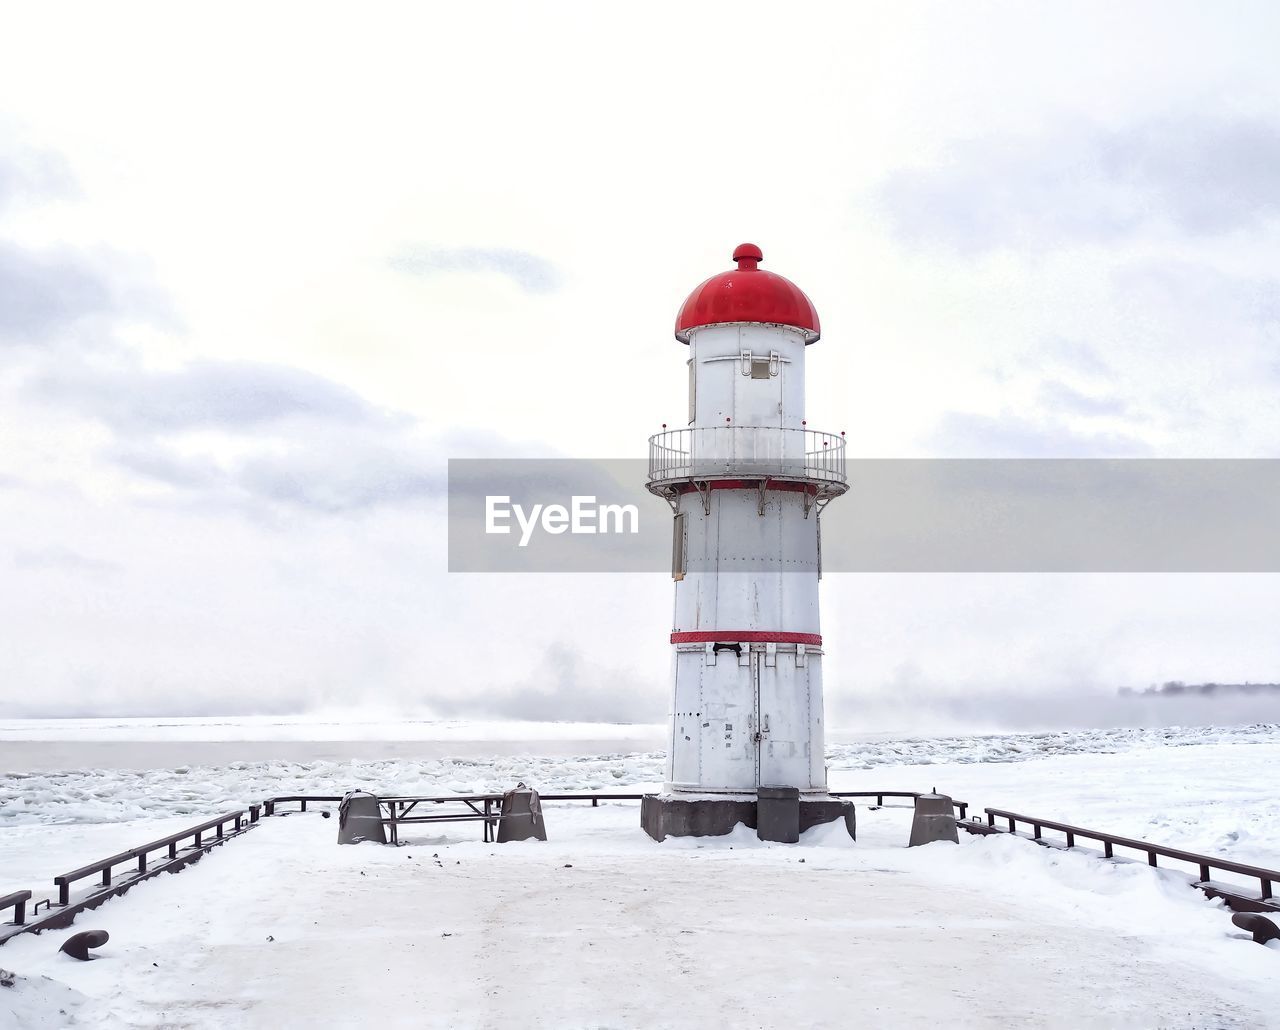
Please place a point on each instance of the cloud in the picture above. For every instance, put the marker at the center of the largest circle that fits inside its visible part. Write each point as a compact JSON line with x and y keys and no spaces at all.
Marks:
{"x":1202,"y":307}
{"x":1071,"y":357}
{"x":235,"y":435}
{"x":971,"y":435}
{"x":566,"y":689}
{"x":936,"y":707}
{"x":202,"y":395}
{"x":350,"y":473}
{"x":62,"y":559}
{"x":41,"y":293}
{"x":320,"y":469}
{"x":531,"y":273}
{"x":30,"y":173}
{"x":161,"y":462}
{"x":1206,"y":176}
{"x":44,"y":293}
{"x":1086,"y":184}
{"x":1060,"y":397}
{"x":1168,"y":353}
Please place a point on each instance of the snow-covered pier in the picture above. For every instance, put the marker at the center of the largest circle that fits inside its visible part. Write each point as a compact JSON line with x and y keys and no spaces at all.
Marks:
{"x":601,"y":925}
{"x":285,"y":928}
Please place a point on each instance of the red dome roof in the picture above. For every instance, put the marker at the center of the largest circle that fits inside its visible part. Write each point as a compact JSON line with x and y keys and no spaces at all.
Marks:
{"x":748,"y":294}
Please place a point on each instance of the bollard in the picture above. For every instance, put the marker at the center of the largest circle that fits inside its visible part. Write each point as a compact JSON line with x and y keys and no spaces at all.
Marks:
{"x":521,"y":817}
{"x":778,"y":814}
{"x":360,"y":819}
{"x":934,"y":819}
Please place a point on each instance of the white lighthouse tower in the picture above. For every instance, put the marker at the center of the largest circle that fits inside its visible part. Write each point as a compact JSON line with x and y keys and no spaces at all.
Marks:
{"x":747,"y":482}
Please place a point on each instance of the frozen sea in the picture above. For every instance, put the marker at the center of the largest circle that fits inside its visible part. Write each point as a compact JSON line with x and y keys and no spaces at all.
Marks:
{"x":591,"y":919}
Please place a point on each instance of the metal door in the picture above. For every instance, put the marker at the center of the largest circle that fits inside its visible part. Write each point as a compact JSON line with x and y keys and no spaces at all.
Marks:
{"x":782,"y":720}
{"x":756,"y":719}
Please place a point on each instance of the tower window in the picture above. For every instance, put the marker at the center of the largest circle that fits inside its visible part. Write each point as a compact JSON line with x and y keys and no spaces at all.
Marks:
{"x":760,"y":368}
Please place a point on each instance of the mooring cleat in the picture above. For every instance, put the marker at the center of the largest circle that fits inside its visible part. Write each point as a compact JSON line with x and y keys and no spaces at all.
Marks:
{"x":78,"y":944}
{"x":1262,"y":928}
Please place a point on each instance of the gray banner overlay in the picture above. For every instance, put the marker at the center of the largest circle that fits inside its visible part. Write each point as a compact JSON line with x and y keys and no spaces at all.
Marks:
{"x":899,"y":515}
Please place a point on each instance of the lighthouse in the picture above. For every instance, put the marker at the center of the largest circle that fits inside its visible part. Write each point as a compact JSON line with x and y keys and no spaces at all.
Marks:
{"x":747,"y":481}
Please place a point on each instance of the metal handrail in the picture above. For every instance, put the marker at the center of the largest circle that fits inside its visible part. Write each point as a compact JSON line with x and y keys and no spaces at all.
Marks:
{"x":65,"y":911}
{"x":141,"y":854}
{"x":18,"y":902}
{"x":880,"y":795}
{"x":407,"y":803}
{"x":1110,"y":841}
{"x":709,"y":452}
{"x":269,"y":805}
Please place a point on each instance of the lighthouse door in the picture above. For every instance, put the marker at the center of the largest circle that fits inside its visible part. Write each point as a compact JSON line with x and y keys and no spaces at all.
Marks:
{"x":782,"y":720}
{"x":759,"y":725}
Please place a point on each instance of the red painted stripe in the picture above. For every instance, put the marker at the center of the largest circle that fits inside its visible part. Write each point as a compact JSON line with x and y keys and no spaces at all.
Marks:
{"x":749,"y":484}
{"x":747,"y":636}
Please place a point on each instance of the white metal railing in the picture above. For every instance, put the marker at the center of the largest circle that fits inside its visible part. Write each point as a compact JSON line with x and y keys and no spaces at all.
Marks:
{"x":728,"y":451}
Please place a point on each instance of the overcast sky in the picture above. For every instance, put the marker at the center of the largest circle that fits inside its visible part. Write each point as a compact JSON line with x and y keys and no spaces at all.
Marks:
{"x":264,"y":270}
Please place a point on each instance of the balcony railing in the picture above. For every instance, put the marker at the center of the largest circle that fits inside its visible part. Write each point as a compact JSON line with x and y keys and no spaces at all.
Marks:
{"x":720,"y":452}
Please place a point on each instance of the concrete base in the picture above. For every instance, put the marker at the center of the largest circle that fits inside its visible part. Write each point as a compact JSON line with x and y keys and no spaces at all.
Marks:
{"x":778,"y":814}
{"x":360,"y":819}
{"x":704,"y":815}
{"x":934,"y":819}
{"x":521,"y":817}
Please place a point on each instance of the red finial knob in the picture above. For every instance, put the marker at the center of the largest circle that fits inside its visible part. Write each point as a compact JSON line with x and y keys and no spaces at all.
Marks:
{"x":804,"y":421}
{"x":747,"y":255}
{"x":664,"y":425}
{"x":726,"y":418}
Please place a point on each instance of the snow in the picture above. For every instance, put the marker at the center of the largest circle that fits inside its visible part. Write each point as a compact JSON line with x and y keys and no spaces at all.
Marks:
{"x":600,"y":926}
{"x":37,"y":1003}
{"x":335,"y":726}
